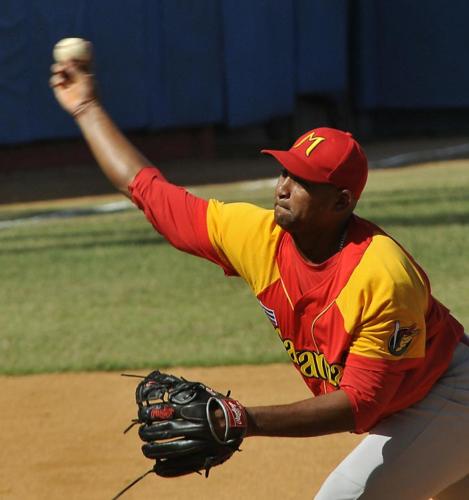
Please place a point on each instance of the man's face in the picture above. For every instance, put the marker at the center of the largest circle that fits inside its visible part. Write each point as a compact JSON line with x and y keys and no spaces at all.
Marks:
{"x":300,"y":205}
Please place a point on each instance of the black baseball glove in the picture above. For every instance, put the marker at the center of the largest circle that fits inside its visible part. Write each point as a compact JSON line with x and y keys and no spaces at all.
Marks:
{"x":179,"y":426}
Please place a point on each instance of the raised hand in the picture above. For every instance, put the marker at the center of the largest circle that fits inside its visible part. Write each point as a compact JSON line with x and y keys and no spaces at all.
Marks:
{"x":74,"y":86}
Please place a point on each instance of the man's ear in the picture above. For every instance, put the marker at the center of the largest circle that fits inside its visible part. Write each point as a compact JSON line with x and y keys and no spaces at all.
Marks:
{"x":345,"y":201}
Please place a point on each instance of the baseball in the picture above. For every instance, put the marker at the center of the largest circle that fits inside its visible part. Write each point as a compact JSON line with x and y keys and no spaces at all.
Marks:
{"x":72,"y":48}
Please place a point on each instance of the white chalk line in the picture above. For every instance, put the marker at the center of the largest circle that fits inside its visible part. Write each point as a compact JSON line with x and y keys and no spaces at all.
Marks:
{"x":110,"y":207}
{"x":106,"y":208}
{"x":411,"y":158}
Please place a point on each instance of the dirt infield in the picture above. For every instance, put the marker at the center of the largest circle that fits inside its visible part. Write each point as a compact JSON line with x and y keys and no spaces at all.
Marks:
{"x":62,"y":438}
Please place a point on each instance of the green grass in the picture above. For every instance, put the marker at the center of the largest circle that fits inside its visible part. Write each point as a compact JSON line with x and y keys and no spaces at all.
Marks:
{"x":106,"y":292}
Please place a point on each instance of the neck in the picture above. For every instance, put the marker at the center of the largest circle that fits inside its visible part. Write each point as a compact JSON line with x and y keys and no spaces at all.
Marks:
{"x":319,"y":246}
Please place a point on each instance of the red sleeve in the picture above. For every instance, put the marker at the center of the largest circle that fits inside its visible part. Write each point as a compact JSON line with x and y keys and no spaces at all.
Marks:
{"x":175,"y":213}
{"x":370,"y":392}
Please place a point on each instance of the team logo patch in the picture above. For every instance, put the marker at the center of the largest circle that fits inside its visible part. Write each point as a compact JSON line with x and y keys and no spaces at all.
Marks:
{"x":400,"y":340}
{"x":270,"y":313}
{"x":313,"y":364}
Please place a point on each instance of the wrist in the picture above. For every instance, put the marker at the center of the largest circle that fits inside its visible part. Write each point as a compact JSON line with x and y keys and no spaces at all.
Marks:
{"x":84,"y":108}
{"x":251,"y":428}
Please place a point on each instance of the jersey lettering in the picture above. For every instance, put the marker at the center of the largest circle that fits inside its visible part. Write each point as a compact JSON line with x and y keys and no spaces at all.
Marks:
{"x":313,"y":364}
{"x":290,"y":348}
{"x":307,"y":364}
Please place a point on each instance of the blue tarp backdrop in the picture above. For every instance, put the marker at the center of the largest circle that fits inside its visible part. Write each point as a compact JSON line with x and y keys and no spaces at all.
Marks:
{"x":412,"y":54}
{"x":178,"y":63}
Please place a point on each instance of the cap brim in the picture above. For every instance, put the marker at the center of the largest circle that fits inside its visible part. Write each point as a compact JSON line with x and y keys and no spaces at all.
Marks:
{"x":295,"y":166}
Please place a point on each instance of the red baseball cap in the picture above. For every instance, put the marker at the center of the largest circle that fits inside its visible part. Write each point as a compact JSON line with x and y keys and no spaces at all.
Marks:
{"x":327,"y":156}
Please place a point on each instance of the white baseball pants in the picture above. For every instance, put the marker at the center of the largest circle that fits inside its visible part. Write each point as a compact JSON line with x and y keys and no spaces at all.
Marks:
{"x":419,"y":453}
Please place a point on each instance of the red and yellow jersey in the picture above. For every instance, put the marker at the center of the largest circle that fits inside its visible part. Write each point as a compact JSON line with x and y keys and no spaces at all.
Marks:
{"x":363,"y":321}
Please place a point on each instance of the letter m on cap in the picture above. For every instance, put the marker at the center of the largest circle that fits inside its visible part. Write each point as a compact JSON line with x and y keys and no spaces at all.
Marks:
{"x":313,"y":139}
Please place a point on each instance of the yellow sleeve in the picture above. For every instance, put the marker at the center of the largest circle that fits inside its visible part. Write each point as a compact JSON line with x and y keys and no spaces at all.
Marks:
{"x":246,"y":237}
{"x":384,"y":304}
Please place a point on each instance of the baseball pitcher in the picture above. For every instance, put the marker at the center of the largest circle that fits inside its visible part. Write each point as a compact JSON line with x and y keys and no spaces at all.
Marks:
{"x":352,"y":308}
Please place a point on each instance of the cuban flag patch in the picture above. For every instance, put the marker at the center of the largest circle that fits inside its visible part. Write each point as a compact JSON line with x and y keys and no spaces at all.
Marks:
{"x":270,"y":313}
